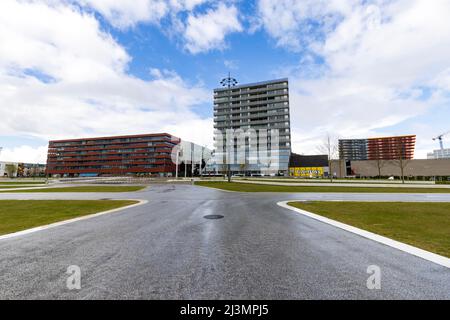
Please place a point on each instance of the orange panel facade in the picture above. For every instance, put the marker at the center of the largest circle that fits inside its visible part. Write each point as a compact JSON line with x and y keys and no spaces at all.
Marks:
{"x":117,"y":155}
{"x":391,"y":148}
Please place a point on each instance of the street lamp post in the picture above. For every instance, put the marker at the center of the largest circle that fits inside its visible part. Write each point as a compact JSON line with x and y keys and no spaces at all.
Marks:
{"x":228,"y":82}
{"x":179,"y":152}
{"x":201,"y":162}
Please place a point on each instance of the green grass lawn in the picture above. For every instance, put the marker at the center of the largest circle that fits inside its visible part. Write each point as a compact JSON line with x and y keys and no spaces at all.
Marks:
{"x":337,"y":181}
{"x":17,"y":215}
{"x":10,"y":183}
{"x":424,"y":225}
{"x":84,"y":189}
{"x":248,"y":187}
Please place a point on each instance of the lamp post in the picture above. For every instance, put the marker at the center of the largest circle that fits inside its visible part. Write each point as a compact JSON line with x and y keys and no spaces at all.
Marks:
{"x":201,"y":162}
{"x":179,"y":152}
{"x":228,"y":82}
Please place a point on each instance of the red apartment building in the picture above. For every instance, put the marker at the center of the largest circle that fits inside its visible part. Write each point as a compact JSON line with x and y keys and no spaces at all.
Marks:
{"x":118,"y":155}
{"x":391,"y":148}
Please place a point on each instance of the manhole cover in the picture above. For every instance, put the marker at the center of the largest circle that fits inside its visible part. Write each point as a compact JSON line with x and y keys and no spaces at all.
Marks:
{"x":213,"y":216}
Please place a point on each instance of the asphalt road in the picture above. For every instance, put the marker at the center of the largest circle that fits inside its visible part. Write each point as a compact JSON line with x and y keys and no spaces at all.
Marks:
{"x":165,"y":249}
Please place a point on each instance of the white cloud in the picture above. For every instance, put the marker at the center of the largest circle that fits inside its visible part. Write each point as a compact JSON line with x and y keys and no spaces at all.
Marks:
{"x":374,"y":64}
{"x":25,"y":154}
{"x":179,"y":19}
{"x":291,"y":23}
{"x":62,"y":77}
{"x":126,"y":13}
{"x":207,"y":31}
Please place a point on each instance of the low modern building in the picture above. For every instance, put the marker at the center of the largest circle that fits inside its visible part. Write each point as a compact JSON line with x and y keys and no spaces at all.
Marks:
{"x":414,"y":169}
{"x":308,"y":166}
{"x":439,"y":154}
{"x":31,"y":170}
{"x":383,"y":148}
{"x":19,"y":169}
{"x":148,"y":154}
{"x":8,"y":169}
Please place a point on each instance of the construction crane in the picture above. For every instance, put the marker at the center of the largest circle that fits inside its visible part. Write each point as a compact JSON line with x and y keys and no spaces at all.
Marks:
{"x":439,"y":137}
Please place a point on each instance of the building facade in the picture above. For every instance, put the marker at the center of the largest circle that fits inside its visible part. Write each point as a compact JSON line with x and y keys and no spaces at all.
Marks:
{"x":439,"y":154}
{"x":384,"y":148}
{"x":413,"y":169}
{"x":391,"y":148}
{"x":148,"y":154}
{"x":305,"y":166}
{"x":260,"y":112}
{"x":8,"y":169}
{"x":353,"y":149}
{"x":20,"y":169}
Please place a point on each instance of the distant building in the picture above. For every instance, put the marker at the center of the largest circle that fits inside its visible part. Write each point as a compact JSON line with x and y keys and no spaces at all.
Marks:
{"x":19,"y":169}
{"x":384,"y":148}
{"x":254,"y":107}
{"x":308,"y":166}
{"x":439,"y":154}
{"x":4,"y":169}
{"x":414,"y":169}
{"x":353,"y":149}
{"x":143,"y":154}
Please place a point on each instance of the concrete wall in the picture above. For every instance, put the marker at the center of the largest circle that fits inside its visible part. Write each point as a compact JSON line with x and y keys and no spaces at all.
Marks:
{"x":414,"y":168}
{"x":338,"y":168}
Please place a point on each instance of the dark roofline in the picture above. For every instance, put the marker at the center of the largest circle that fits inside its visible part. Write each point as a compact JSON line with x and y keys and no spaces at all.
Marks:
{"x":375,"y":138}
{"x":254,"y":84}
{"x":117,"y":137}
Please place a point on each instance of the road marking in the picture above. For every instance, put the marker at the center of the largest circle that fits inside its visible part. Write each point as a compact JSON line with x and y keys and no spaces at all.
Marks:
{"x":432,"y":257}
{"x":214,"y":188}
{"x":61,"y":223}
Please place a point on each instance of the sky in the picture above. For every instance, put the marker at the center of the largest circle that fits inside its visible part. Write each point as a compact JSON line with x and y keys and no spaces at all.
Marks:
{"x":356,"y":69}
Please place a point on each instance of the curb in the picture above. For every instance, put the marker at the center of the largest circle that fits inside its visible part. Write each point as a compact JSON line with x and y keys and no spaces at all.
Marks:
{"x":429,"y":256}
{"x":61,"y":223}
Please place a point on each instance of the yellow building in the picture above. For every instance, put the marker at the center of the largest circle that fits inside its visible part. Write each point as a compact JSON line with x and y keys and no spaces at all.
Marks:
{"x":306,"y":172}
{"x":308,"y":166}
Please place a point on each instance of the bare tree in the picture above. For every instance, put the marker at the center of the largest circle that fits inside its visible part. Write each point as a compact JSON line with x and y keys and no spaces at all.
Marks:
{"x":401,"y":161}
{"x":330,"y":147}
{"x":379,"y":161}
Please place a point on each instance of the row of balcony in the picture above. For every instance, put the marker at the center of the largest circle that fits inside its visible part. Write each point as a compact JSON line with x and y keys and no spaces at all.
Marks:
{"x":243,"y":99}
{"x":249,"y":104}
{"x":282,"y":113}
{"x":110,"y":153}
{"x":237,"y":97}
{"x":279,"y":123}
{"x":111,"y":147}
{"x":274,"y":107}
{"x":245,"y":90}
{"x":113,"y":141}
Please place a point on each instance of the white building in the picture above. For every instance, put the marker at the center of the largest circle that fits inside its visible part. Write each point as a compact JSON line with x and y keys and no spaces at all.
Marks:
{"x":439,"y":154}
{"x":3,"y":170}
